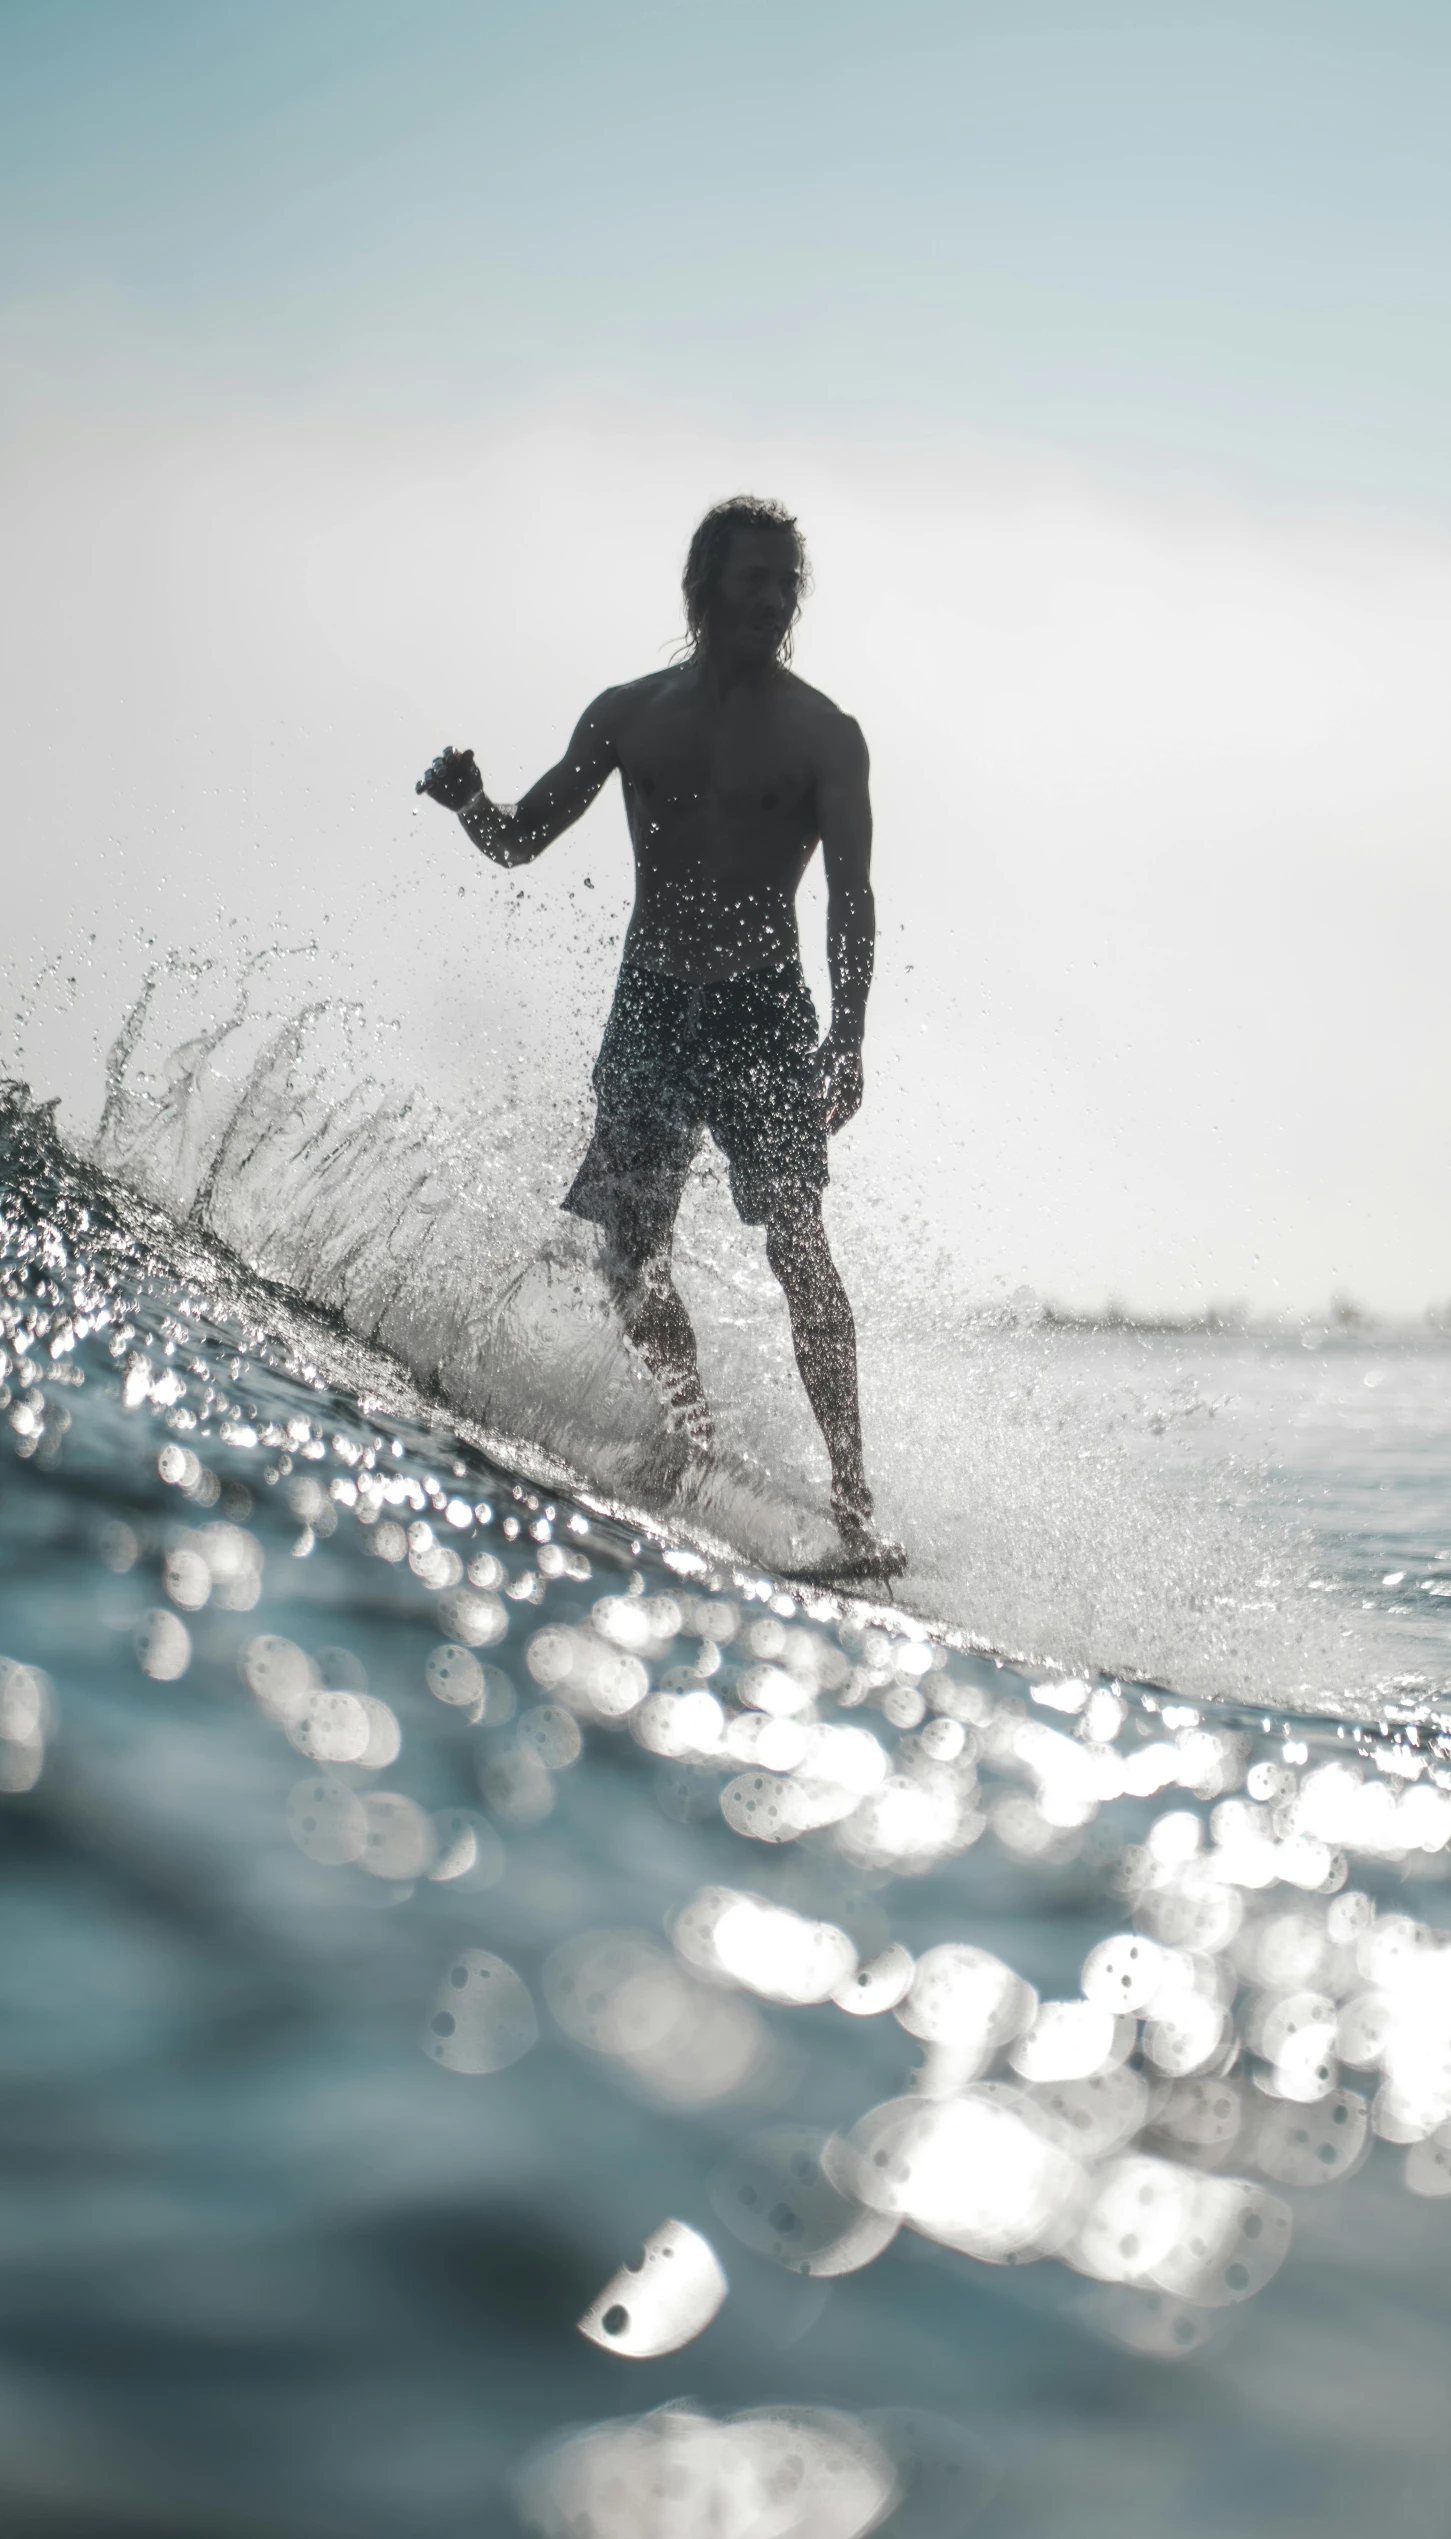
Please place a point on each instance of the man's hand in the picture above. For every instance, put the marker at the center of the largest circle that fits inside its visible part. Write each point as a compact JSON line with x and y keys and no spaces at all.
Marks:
{"x":842,"y":1085}
{"x":453,"y":779}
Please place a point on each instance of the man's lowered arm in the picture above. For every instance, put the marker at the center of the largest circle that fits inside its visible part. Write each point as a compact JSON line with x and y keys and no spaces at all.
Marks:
{"x":845,"y":813}
{"x":514,"y":833}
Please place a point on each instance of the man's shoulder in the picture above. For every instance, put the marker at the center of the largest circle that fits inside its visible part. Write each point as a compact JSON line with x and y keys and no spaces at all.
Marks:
{"x":836,"y":734}
{"x":643,"y":691}
{"x":616,"y":705}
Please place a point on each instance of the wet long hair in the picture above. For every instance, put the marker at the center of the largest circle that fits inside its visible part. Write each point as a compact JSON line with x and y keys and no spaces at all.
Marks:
{"x":706,"y":557}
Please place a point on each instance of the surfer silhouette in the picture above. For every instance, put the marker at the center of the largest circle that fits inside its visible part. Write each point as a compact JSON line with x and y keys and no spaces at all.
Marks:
{"x":734,"y":771}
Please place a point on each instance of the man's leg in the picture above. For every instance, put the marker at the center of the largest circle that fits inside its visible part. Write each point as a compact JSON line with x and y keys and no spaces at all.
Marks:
{"x":824,"y":1334}
{"x":657,"y":1324}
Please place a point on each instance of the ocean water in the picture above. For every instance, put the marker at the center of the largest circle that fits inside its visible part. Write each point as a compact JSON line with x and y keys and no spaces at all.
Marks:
{"x":519,"y":2020}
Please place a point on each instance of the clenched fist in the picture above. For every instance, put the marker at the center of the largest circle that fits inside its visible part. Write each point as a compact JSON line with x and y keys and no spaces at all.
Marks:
{"x":453,"y":779}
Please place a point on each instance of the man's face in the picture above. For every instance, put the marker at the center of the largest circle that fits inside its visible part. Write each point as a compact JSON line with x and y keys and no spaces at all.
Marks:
{"x":757,"y":595}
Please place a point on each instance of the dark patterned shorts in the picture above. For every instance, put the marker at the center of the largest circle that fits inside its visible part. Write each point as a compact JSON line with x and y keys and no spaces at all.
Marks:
{"x":737,"y":1057}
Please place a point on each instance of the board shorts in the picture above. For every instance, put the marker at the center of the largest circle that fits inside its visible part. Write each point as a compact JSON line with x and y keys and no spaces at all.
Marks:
{"x":735,"y":1056}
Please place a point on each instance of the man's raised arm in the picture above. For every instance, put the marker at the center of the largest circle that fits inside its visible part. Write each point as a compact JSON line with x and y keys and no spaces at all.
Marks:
{"x":514,"y":833}
{"x":845,"y":813}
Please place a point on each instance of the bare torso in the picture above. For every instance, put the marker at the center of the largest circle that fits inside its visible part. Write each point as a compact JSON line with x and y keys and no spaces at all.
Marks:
{"x":721,"y":795}
{"x":732,"y":778}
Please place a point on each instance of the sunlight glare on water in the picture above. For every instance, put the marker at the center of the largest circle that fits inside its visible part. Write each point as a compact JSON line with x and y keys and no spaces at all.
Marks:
{"x":487,"y":1882}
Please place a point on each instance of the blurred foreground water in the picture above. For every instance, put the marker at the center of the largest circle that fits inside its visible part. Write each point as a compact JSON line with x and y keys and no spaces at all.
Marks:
{"x":428,"y":1887}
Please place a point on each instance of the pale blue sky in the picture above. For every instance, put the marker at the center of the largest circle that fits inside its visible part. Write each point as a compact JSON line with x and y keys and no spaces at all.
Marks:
{"x":1212,"y":242}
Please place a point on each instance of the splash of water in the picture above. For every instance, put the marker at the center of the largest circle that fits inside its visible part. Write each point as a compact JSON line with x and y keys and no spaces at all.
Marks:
{"x":1057,"y":1499}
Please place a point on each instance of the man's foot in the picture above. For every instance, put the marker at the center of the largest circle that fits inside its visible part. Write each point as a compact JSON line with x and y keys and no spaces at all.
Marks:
{"x":868,"y":1554}
{"x":865,"y":1559}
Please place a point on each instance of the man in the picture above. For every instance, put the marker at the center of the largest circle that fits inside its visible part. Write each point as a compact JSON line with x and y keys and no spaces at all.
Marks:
{"x":733,"y":772}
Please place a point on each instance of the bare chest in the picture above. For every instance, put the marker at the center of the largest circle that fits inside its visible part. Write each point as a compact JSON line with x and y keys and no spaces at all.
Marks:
{"x":744,"y":766}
